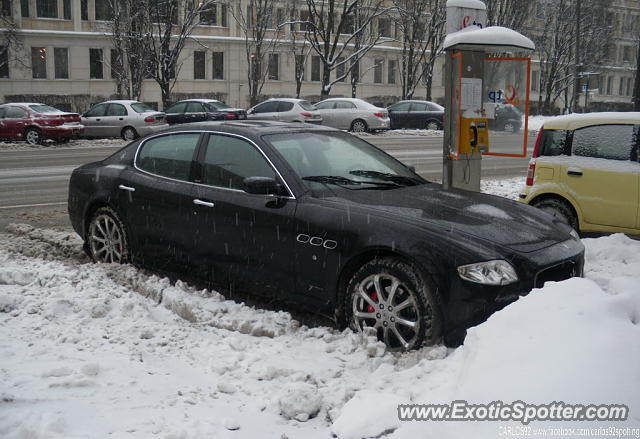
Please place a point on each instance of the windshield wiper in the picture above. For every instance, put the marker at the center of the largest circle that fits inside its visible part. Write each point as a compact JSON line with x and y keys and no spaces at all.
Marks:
{"x":399,"y":179}
{"x":336,"y":179}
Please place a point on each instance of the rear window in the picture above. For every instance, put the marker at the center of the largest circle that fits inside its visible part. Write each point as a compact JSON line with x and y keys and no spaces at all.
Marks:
{"x":306,"y":105}
{"x":553,"y":142}
{"x":139,"y":107}
{"x":285,"y":106}
{"x":613,"y":142}
{"x":44,"y":109}
{"x":218,"y":105}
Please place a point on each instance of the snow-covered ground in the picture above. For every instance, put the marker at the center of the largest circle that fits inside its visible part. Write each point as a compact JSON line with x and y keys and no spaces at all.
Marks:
{"x":77,"y":143}
{"x":94,"y":351}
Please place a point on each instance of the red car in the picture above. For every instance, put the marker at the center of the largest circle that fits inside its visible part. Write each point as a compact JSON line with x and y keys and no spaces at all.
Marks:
{"x":35,"y":123}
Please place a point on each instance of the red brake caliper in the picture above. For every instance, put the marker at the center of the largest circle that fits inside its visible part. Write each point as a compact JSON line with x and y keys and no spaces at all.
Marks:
{"x":373,"y":296}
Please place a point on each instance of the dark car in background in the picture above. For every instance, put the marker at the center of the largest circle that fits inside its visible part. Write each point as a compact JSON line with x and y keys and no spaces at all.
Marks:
{"x":313,"y":215}
{"x":416,"y":114}
{"x":507,"y":118}
{"x":199,"y":110}
{"x":35,"y":122}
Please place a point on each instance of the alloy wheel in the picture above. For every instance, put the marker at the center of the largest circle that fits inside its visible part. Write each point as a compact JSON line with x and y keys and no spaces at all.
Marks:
{"x":32,"y":137}
{"x":128,"y":134}
{"x":432,"y":125}
{"x":359,"y":126}
{"x":106,"y":239}
{"x":385,"y":303}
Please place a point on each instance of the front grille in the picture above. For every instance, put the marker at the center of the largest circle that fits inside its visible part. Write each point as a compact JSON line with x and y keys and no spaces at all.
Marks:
{"x":565,"y":270}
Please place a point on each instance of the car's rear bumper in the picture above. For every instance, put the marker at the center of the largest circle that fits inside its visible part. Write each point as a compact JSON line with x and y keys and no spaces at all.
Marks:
{"x":150,"y":129}
{"x":379,"y":123}
{"x":469,"y":304}
{"x":66,"y":131}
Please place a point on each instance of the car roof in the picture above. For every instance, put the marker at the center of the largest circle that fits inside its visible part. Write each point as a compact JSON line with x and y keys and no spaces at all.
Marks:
{"x":285,"y":100}
{"x":120,"y":101}
{"x":24,"y":103}
{"x":199,"y":100}
{"x":575,"y":121}
{"x":252,"y":128}
{"x":345,"y":99}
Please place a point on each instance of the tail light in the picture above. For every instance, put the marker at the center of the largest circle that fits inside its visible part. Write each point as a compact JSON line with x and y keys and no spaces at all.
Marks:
{"x":531,"y":172}
{"x":56,"y":122}
{"x":149,"y":119}
{"x":231,"y":116}
{"x":378,"y":114}
{"x":536,"y":149}
{"x":306,"y":114}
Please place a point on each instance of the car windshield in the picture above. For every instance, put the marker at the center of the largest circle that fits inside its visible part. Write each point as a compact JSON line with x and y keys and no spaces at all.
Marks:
{"x":340,"y":158}
{"x":139,"y":107}
{"x":39,"y":108}
{"x":219,"y":105}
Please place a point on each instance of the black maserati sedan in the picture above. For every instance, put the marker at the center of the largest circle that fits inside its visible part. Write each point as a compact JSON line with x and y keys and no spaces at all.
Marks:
{"x":199,"y":110}
{"x":316,"y":216}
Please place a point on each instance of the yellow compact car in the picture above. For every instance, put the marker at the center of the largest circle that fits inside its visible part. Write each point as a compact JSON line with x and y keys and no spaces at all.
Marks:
{"x":585,"y":169}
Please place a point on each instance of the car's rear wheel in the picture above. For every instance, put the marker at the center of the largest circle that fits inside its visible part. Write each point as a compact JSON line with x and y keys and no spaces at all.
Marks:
{"x":359,"y":126}
{"x":390,"y":296}
{"x":107,"y":239}
{"x":433,"y":125}
{"x":559,"y":209}
{"x":129,"y":133}
{"x":33,"y":136}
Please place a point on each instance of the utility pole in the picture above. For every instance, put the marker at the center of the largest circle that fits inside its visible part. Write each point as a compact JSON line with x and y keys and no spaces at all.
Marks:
{"x":636,"y":82}
{"x":577,"y":85}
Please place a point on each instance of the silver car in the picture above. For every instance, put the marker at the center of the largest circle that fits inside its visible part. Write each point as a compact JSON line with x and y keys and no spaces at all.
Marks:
{"x":352,"y":114}
{"x":285,"y":110}
{"x":126,"y":119}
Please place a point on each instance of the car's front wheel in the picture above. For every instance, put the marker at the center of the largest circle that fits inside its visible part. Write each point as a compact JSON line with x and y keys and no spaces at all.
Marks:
{"x":107,"y":239}
{"x":129,"y":133}
{"x":433,"y":125}
{"x":390,"y":296}
{"x":559,"y":209}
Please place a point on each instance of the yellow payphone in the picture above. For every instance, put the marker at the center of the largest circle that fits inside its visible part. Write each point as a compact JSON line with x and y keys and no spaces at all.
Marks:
{"x":474,"y":135}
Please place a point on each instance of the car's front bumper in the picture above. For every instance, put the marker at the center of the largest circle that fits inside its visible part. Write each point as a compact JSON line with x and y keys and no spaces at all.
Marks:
{"x":469,"y":304}
{"x":149,"y":129}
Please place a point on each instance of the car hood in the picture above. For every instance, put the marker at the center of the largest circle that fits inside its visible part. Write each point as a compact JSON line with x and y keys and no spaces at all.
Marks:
{"x":494,"y":219}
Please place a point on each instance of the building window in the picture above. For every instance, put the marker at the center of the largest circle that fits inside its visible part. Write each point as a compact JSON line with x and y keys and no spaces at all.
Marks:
{"x":610,"y":85}
{"x":218,"y":65}
{"x":5,"y":8}
{"x":84,"y":9}
{"x":391,"y":72}
{"x":315,"y":68}
{"x":355,"y":71}
{"x":621,"y":87}
{"x":274,"y":66}
{"x":95,"y":64}
{"x":66,"y":9}
{"x":384,"y":27}
{"x":39,"y":62}
{"x":24,"y":8}
{"x":103,"y":10}
{"x":377,"y":70}
{"x":4,"y":62}
{"x":535,"y":78}
{"x":47,"y":8}
{"x":61,"y":62}
{"x":209,"y":15}
{"x":223,"y":15}
{"x":304,"y":18}
{"x":340,"y":69}
{"x":199,"y":64}
{"x":629,"y":86}
{"x":117,"y":64}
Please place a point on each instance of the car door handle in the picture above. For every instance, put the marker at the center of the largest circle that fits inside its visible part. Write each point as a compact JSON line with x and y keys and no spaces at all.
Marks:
{"x":98,"y":120}
{"x":127,"y":188}
{"x":574,"y":171}
{"x":203,"y":203}
{"x":122,"y":118}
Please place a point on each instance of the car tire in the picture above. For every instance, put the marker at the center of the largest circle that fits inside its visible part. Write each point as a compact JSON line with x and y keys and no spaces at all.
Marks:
{"x":359,"y":126}
{"x":433,"y":125}
{"x":33,"y":136}
{"x":107,"y":240}
{"x":129,"y":133}
{"x":393,"y":297}
{"x":559,"y":209}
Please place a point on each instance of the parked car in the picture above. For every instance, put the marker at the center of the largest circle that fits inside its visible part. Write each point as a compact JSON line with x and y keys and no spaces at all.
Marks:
{"x":122,"y":118}
{"x":352,"y":114}
{"x":285,"y":110}
{"x":34,"y":123}
{"x":198,"y":110}
{"x":416,"y":114}
{"x":313,"y":215}
{"x":585,"y":170}
{"x":508,"y":118}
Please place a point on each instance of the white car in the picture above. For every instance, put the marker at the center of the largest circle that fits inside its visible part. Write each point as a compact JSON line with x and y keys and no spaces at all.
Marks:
{"x":285,"y":110}
{"x":122,"y":118}
{"x":353,"y":114}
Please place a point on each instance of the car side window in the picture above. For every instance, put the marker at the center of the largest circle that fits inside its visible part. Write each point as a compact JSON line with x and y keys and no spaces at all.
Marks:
{"x":612,"y":142}
{"x":344,"y":105}
{"x":402,"y":106}
{"x":169,"y":156}
{"x":229,"y":160}
{"x":418,"y":106}
{"x":177,"y":108}
{"x":97,"y":111}
{"x":15,"y":113}
{"x":116,"y":110}
{"x":2,"y":111}
{"x":195,"y":107}
{"x":267,"y":107}
{"x":553,"y":142}
{"x":325,"y":105}
{"x":285,"y":106}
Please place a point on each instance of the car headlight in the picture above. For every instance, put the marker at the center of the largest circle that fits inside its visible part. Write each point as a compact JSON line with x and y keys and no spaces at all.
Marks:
{"x":574,"y":234}
{"x":496,"y":272}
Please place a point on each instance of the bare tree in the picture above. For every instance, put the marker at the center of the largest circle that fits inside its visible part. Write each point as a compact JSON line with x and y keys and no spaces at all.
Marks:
{"x":10,"y":41}
{"x":509,"y":13}
{"x":332,"y":29}
{"x":261,"y":29}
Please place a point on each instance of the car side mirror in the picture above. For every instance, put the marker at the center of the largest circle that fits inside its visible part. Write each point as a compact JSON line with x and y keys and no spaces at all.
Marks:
{"x":412,"y":168}
{"x":261,"y":186}
{"x":250,"y":111}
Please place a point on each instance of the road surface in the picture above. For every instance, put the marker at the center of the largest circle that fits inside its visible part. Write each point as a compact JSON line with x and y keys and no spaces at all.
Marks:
{"x":33,"y":183}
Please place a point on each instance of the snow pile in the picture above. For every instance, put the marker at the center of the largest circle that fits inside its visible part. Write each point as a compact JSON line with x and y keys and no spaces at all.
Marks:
{"x":99,"y":350}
